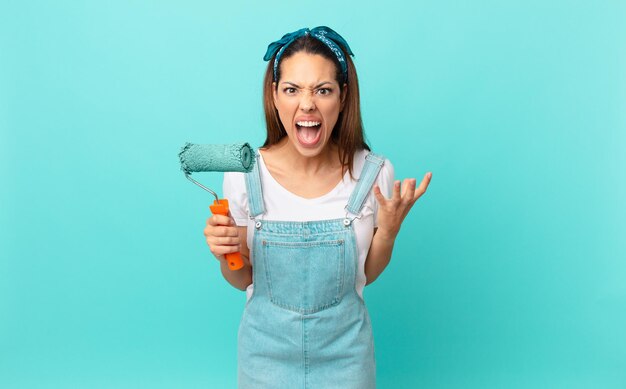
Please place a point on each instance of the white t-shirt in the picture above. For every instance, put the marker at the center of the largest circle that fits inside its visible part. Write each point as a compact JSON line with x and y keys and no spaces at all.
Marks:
{"x":282,"y":205}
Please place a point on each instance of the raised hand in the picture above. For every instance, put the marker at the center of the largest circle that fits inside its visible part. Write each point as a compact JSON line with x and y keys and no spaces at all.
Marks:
{"x":391,"y":212}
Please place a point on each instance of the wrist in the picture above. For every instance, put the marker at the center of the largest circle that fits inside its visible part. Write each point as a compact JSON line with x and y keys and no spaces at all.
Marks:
{"x":386,"y":234}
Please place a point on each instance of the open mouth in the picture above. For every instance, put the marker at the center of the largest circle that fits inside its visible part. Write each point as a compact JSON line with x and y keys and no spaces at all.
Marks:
{"x":309,"y":133}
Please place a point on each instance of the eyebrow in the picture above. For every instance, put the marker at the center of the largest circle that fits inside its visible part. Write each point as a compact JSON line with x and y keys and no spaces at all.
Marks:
{"x":298,"y":86}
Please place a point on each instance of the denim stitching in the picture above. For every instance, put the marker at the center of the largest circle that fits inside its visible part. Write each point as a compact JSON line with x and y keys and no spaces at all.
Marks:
{"x":340,"y":269}
{"x":373,"y":164}
{"x":255,"y":192}
{"x":305,"y":352}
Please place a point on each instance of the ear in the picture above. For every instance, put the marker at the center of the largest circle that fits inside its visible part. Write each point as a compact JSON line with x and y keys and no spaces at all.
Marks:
{"x":344,"y":92}
{"x":274,"y":92}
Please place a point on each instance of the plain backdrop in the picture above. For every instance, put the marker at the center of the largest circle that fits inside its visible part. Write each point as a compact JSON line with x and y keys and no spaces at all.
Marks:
{"x":509,"y":273}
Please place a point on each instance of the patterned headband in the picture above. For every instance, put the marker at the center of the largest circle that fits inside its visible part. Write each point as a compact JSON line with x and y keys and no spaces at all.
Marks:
{"x":324,"y":34}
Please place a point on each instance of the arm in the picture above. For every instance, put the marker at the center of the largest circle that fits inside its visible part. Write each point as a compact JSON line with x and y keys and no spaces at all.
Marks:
{"x":241,"y":278}
{"x":224,"y":237}
{"x":378,"y":256}
{"x":391,"y":214}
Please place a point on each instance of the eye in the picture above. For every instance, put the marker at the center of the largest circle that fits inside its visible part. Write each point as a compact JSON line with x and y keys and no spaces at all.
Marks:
{"x":324,"y":91}
{"x":289,"y":90}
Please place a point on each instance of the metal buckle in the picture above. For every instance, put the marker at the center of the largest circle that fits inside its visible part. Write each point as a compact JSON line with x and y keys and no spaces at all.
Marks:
{"x":347,"y":221}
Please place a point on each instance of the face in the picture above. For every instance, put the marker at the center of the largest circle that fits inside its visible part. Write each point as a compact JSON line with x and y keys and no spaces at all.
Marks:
{"x":308,"y":101}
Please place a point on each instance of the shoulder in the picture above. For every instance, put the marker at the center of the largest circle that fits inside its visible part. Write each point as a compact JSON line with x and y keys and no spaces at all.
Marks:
{"x":234,"y":189}
{"x":362,"y":155}
{"x":385,"y":176}
{"x":235,"y":180}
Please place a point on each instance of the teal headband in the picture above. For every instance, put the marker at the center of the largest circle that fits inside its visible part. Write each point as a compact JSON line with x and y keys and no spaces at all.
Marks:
{"x":324,"y":34}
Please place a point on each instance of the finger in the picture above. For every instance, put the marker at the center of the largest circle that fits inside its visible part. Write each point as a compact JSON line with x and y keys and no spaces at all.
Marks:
{"x":219,"y":250}
{"x":220,"y":220}
{"x":378,"y":195}
{"x":396,"y":191}
{"x":220,"y":231}
{"x":423,"y":186}
{"x":225,"y":240}
{"x":409,"y":190}
{"x":226,"y":231}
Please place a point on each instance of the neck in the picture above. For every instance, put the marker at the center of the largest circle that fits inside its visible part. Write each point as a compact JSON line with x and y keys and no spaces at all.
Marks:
{"x":290,"y":156}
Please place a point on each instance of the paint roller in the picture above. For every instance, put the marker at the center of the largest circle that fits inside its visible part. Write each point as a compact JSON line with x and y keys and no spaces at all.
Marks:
{"x":236,"y":157}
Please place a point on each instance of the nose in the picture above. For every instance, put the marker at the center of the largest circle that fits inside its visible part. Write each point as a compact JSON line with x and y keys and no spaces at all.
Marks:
{"x":306,"y":102}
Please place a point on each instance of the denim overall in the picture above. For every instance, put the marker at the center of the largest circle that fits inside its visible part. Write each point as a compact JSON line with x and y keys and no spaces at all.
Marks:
{"x":305,"y":326}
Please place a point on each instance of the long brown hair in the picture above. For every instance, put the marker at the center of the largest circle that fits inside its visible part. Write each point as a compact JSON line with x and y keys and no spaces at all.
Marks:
{"x":348,"y":131}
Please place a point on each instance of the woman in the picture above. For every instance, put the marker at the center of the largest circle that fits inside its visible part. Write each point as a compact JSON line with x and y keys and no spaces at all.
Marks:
{"x":311,"y":234}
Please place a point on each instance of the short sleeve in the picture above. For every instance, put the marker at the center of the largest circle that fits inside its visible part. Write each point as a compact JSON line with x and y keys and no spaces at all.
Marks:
{"x":234,"y":189}
{"x":385,"y":181}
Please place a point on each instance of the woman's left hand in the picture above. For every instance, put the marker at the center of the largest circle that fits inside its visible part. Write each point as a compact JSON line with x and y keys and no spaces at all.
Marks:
{"x":391,"y":212}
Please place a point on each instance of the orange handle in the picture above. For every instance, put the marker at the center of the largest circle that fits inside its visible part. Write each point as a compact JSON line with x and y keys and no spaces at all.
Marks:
{"x":234,"y":260}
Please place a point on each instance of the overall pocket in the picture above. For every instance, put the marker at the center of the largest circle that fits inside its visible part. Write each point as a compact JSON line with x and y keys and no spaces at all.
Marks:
{"x":305,"y":277}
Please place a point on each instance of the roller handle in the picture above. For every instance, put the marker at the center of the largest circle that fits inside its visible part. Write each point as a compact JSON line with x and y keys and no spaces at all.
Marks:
{"x":234,"y":260}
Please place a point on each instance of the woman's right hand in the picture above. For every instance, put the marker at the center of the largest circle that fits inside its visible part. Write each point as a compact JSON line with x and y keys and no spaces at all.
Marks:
{"x":222,"y":235}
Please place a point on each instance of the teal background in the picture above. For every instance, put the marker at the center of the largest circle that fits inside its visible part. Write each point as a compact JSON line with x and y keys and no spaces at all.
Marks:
{"x":509,"y":273}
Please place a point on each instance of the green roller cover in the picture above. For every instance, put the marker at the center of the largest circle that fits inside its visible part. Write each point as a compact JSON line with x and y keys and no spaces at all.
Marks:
{"x":236,"y":157}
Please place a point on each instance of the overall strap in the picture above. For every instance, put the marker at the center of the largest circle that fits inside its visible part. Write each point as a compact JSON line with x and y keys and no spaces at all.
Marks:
{"x":373,"y":164}
{"x":255,"y":194}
